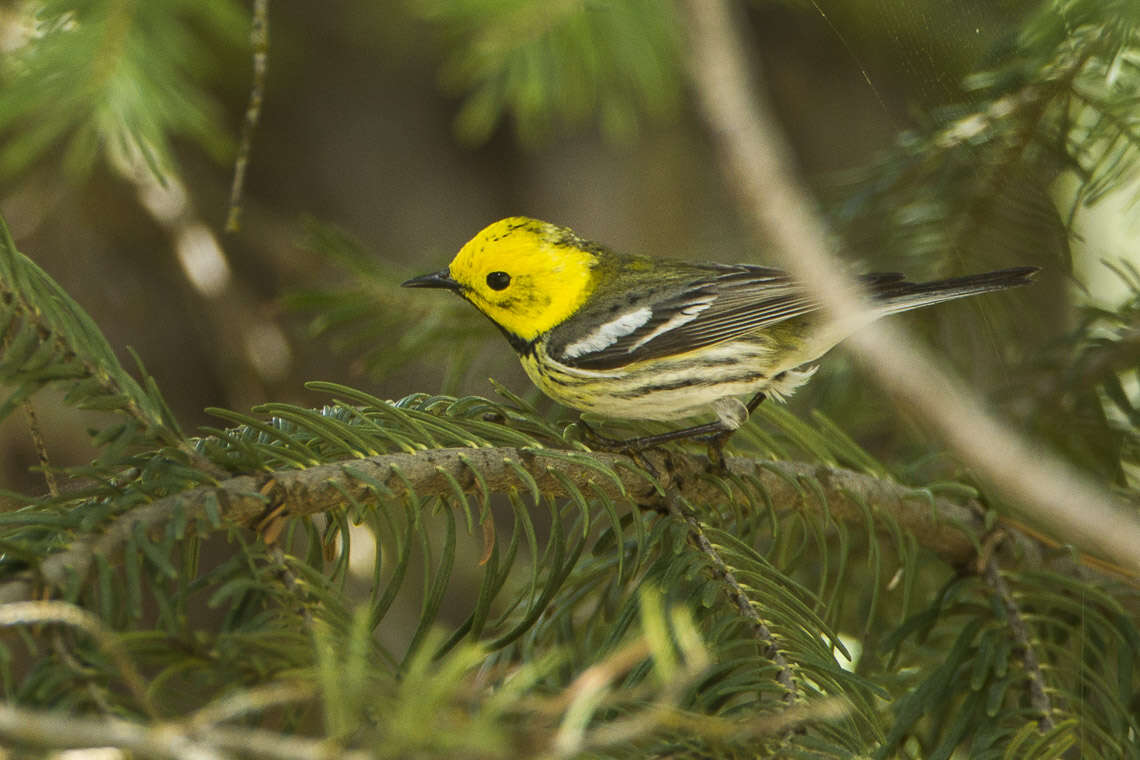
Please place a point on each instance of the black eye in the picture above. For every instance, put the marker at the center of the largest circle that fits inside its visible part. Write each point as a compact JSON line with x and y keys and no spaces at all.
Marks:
{"x":498,"y":280}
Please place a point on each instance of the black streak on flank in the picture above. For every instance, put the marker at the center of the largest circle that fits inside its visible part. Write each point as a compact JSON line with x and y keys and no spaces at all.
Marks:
{"x":749,"y":377}
{"x":673,"y":386}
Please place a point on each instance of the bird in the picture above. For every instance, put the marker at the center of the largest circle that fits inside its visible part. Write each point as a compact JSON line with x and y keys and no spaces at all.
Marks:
{"x":639,"y":338}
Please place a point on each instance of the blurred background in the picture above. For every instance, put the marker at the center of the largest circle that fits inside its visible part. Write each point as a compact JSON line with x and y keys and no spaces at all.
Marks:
{"x":391,"y":132}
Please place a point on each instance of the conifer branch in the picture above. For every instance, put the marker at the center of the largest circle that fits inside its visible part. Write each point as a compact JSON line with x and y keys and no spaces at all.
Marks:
{"x":1038,"y":696}
{"x":34,"y":613}
{"x":40,"y":446}
{"x":939,"y":525}
{"x":770,"y":648}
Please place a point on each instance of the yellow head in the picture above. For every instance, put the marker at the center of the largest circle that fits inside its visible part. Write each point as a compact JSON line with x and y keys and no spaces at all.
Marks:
{"x":526,"y":275}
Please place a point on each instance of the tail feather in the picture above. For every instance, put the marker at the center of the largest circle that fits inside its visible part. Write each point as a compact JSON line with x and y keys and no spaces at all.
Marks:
{"x":899,"y":295}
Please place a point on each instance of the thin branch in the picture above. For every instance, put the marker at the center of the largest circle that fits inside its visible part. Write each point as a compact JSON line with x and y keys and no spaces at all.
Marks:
{"x":41,"y":446}
{"x":621,"y":732}
{"x":259,"y":41}
{"x":760,"y":630}
{"x":112,"y":378}
{"x":1038,"y":696}
{"x":271,"y":745}
{"x":34,"y":428}
{"x":192,"y":740}
{"x":758,"y":162}
{"x":251,"y":701}
{"x":62,"y":613}
{"x":941,"y":526}
{"x":587,"y":693}
{"x":59,"y":730}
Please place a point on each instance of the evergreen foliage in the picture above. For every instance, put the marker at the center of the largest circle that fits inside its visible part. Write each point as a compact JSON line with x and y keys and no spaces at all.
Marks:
{"x":112,"y":75}
{"x":551,"y":64}
{"x":444,"y":576}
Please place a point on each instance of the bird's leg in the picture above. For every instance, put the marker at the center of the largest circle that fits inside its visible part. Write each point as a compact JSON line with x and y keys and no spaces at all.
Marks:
{"x":716,"y":441}
{"x":716,"y":433}
{"x":600,"y":442}
{"x":628,"y":445}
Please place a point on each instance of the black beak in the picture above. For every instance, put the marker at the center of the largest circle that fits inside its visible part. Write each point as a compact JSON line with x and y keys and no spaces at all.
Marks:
{"x":440,"y":279}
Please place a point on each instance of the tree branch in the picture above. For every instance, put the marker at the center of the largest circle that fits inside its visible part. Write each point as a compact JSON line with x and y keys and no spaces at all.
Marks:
{"x":758,"y":162}
{"x":59,"y":730}
{"x":1038,"y":695}
{"x":740,"y":598}
{"x":259,"y":42}
{"x":941,"y":526}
